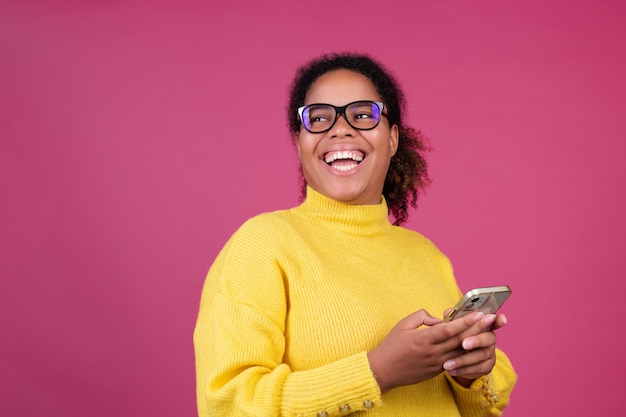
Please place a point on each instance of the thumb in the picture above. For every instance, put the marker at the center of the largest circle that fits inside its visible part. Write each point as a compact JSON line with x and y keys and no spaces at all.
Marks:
{"x":417,"y":319}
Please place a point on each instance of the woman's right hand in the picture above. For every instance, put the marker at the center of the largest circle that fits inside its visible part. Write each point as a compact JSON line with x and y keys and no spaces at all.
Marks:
{"x":417,"y":347}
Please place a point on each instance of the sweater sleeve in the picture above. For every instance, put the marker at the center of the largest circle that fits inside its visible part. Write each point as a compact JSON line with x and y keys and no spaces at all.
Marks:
{"x":240,"y":342}
{"x":489,"y":395}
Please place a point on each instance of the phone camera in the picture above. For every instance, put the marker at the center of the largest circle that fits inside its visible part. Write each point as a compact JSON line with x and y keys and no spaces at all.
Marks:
{"x":475,"y":299}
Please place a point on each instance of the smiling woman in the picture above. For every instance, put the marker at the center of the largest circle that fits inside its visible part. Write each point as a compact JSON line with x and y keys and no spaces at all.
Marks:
{"x":325,"y":309}
{"x":343,"y":141}
{"x":407,"y":173}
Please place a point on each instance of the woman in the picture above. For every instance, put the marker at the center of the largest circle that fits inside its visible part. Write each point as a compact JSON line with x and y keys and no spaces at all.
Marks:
{"x":323,"y":309}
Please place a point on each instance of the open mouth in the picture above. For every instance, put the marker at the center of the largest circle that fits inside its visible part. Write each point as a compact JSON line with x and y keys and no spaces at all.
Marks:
{"x":344,"y":160}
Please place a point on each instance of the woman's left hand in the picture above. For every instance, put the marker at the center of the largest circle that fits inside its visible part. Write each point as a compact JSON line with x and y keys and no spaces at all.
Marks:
{"x":478,"y":354}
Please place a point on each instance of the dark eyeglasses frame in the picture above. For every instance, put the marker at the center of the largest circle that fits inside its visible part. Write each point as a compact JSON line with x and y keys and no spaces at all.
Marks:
{"x":339,"y":110}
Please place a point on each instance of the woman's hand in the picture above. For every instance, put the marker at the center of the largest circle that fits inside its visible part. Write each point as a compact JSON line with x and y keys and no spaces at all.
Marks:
{"x":412,"y":353}
{"x":479,"y":351}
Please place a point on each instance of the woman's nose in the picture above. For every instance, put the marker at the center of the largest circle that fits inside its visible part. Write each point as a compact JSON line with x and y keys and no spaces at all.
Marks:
{"x":341,"y":127}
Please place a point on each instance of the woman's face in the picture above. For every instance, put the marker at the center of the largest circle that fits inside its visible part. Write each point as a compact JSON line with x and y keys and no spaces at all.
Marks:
{"x":344,"y":163}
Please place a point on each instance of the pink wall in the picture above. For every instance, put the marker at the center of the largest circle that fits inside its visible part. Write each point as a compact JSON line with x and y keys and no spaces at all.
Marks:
{"x":128,"y":155}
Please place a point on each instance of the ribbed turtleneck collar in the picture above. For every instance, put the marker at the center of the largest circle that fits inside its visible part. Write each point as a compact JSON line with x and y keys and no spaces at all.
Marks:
{"x":348,"y":218}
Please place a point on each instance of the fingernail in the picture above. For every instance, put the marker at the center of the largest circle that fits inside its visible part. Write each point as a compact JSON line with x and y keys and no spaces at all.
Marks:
{"x":490,"y":318}
{"x":468,"y":344}
{"x":449,"y":365}
{"x":478,"y":316}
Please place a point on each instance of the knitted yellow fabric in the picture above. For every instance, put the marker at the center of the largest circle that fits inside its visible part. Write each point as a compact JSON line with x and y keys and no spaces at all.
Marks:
{"x":296,"y":299}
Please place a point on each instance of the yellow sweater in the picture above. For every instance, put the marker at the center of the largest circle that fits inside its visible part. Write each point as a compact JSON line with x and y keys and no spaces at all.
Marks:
{"x":296,"y":299}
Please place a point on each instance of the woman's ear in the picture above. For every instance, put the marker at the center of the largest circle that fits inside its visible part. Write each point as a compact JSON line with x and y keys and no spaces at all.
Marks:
{"x":394,"y":135}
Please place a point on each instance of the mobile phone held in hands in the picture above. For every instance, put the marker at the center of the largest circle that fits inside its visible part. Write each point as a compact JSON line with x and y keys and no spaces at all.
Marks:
{"x":487,"y":300}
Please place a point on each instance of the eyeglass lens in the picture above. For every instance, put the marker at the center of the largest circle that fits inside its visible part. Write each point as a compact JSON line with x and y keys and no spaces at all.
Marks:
{"x":362,"y":115}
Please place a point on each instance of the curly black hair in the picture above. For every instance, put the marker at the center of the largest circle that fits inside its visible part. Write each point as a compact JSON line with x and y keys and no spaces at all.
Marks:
{"x":407,"y":176}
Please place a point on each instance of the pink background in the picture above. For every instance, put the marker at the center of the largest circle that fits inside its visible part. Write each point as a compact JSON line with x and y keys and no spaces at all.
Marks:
{"x":129,"y":153}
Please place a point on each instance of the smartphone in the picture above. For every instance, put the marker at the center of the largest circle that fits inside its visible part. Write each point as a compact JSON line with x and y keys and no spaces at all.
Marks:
{"x":487,"y":299}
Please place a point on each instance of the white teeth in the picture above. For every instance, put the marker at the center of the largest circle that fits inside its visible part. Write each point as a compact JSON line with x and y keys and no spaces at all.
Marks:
{"x":333,"y":156}
{"x":346,"y":167}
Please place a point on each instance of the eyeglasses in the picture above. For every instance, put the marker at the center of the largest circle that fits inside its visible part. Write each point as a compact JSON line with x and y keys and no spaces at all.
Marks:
{"x":361,"y":115}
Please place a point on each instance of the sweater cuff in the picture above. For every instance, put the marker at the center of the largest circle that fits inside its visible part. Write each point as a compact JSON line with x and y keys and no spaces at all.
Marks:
{"x":337,"y":388}
{"x":476,"y":398}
